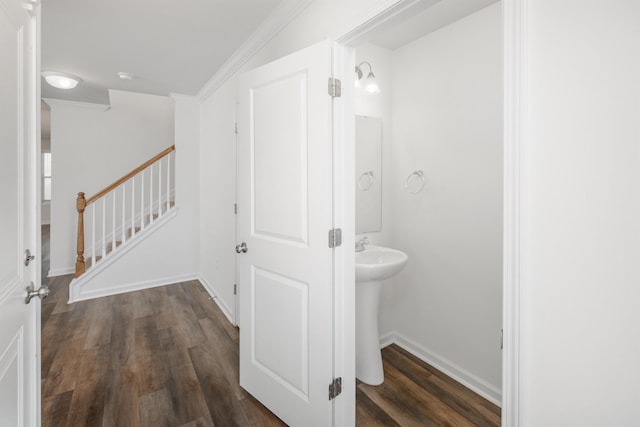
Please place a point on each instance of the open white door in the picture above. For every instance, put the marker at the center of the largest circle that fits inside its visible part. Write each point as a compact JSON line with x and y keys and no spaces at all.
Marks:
{"x":19,"y":324}
{"x":285,"y":212}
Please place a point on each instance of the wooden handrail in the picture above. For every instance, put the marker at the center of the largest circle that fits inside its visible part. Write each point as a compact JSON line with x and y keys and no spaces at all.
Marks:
{"x":126,"y":177}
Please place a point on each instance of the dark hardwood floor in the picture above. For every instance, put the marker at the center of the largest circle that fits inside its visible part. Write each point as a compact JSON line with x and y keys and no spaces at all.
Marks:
{"x":168,"y":357}
{"x":415,"y":394}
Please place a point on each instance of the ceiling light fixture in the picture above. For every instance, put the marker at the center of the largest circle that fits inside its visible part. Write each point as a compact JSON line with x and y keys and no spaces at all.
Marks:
{"x":370,"y":83}
{"x":125,"y":76}
{"x":61,"y":80}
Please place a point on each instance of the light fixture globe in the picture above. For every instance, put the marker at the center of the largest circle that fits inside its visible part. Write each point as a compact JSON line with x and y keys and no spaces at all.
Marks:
{"x":61,"y":80}
{"x":370,"y":84}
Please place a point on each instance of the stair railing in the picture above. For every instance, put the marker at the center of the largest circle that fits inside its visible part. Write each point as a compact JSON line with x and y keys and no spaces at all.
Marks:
{"x":123,"y":207}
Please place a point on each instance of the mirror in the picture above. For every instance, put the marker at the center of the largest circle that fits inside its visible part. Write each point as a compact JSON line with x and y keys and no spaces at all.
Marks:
{"x":368,"y":174}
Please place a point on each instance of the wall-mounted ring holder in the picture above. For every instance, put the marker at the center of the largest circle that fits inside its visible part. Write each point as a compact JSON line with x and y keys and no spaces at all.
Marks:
{"x":365,"y":181}
{"x":415,"y":182}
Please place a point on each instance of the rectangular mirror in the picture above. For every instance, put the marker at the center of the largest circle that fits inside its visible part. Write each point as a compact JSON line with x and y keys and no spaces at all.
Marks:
{"x":368,"y":174}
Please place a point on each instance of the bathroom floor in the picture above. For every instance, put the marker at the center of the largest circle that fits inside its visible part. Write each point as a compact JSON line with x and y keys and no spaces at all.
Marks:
{"x":416,"y":394}
{"x":168,"y":357}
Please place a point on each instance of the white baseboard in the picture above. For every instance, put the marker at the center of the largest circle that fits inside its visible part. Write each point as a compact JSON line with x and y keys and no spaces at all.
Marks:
{"x":136,"y":286}
{"x":61,"y":271}
{"x":387,"y":339}
{"x":466,"y":378}
{"x":225,"y":309}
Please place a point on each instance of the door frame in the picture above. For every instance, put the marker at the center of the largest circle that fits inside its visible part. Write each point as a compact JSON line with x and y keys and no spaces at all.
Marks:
{"x":34,"y":160}
{"x":344,"y":289}
{"x":515,"y":181}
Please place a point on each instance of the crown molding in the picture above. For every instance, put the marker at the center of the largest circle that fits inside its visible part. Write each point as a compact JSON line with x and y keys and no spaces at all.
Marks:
{"x":282,"y":15}
{"x":393,"y":13}
{"x":180,"y":97}
{"x":65,"y":103}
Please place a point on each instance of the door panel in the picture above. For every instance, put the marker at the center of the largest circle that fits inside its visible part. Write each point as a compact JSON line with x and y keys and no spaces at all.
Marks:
{"x":285,"y":207}
{"x":19,"y":399}
{"x":11,"y":36}
{"x":280,"y":341}
{"x":280,"y":185}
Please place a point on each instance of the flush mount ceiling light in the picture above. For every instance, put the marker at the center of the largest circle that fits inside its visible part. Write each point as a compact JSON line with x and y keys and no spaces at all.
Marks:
{"x":125,"y":76}
{"x":370,"y":84}
{"x":61,"y":80}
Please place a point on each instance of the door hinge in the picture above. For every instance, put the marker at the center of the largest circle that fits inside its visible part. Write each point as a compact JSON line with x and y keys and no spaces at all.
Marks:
{"x":235,"y":289}
{"x":335,"y":88}
{"x":335,"y":237}
{"x":335,"y":388}
{"x":235,"y":208}
{"x":501,"y":339}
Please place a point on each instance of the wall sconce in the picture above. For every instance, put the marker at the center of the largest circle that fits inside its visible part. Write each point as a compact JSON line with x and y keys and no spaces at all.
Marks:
{"x":370,"y":84}
{"x":61,"y":80}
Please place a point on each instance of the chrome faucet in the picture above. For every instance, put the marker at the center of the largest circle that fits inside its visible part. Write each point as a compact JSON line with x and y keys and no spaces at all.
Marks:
{"x":360,"y":244}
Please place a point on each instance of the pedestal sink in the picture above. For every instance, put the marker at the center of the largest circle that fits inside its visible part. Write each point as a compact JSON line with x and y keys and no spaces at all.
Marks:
{"x":373,"y":265}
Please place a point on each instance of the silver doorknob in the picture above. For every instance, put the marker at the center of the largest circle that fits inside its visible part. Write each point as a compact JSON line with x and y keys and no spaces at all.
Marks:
{"x":241,"y":248}
{"x":42,"y":293}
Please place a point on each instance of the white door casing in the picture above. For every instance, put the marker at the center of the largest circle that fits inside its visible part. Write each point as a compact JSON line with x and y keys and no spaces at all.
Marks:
{"x":285,"y":211}
{"x":19,"y":323}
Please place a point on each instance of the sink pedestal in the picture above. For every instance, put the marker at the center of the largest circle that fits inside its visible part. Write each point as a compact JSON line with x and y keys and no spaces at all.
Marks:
{"x":373,"y":265}
{"x":368,"y":357}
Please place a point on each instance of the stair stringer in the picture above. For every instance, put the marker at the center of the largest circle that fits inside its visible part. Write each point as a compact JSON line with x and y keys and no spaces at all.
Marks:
{"x":77,"y":285}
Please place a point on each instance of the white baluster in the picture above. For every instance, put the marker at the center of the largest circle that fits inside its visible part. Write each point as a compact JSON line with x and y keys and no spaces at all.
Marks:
{"x":104,"y":227}
{"x":168,"y":180}
{"x":113,"y":222}
{"x":133,"y":206}
{"x":93,"y":234}
{"x":142,"y":200}
{"x":124,"y":213}
{"x":160,"y":188}
{"x":151,"y":194}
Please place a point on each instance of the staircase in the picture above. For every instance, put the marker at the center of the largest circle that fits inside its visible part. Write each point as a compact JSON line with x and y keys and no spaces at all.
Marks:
{"x":120,"y":216}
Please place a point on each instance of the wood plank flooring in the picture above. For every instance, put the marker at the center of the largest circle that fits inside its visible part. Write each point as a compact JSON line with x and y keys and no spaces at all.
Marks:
{"x":168,"y":357}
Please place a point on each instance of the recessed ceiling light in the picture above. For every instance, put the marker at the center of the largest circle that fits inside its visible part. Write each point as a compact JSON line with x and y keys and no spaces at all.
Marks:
{"x":61,"y":80}
{"x":125,"y":76}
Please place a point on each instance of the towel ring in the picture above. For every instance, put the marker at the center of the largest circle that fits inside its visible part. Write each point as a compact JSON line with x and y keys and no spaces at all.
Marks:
{"x":415,"y":182}
{"x":365,"y":181}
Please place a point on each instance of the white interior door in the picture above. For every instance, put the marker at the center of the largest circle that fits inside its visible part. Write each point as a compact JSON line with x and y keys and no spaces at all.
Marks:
{"x":19,"y":361}
{"x":285,"y":209}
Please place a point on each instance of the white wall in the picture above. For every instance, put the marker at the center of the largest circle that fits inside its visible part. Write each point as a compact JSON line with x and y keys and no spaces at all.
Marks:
{"x":91,"y":148}
{"x":170,"y":254}
{"x":581,"y":292}
{"x":217,"y":198}
{"x":447,"y":121}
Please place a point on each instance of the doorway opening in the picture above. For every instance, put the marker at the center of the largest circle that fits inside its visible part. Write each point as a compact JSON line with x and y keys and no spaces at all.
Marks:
{"x":45,"y":217}
{"x":439,"y":198}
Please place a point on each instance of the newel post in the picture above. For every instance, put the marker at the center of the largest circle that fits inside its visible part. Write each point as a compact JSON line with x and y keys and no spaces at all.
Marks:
{"x":81,"y":203}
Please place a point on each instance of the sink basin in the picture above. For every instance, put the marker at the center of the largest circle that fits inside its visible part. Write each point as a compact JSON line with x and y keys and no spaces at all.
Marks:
{"x":379,"y":263}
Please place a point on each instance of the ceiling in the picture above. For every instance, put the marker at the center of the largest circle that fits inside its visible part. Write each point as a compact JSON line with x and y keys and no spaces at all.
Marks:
{"x":426,"y":20}
{"x":170,"y":46}
{"x":173,"y":46}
